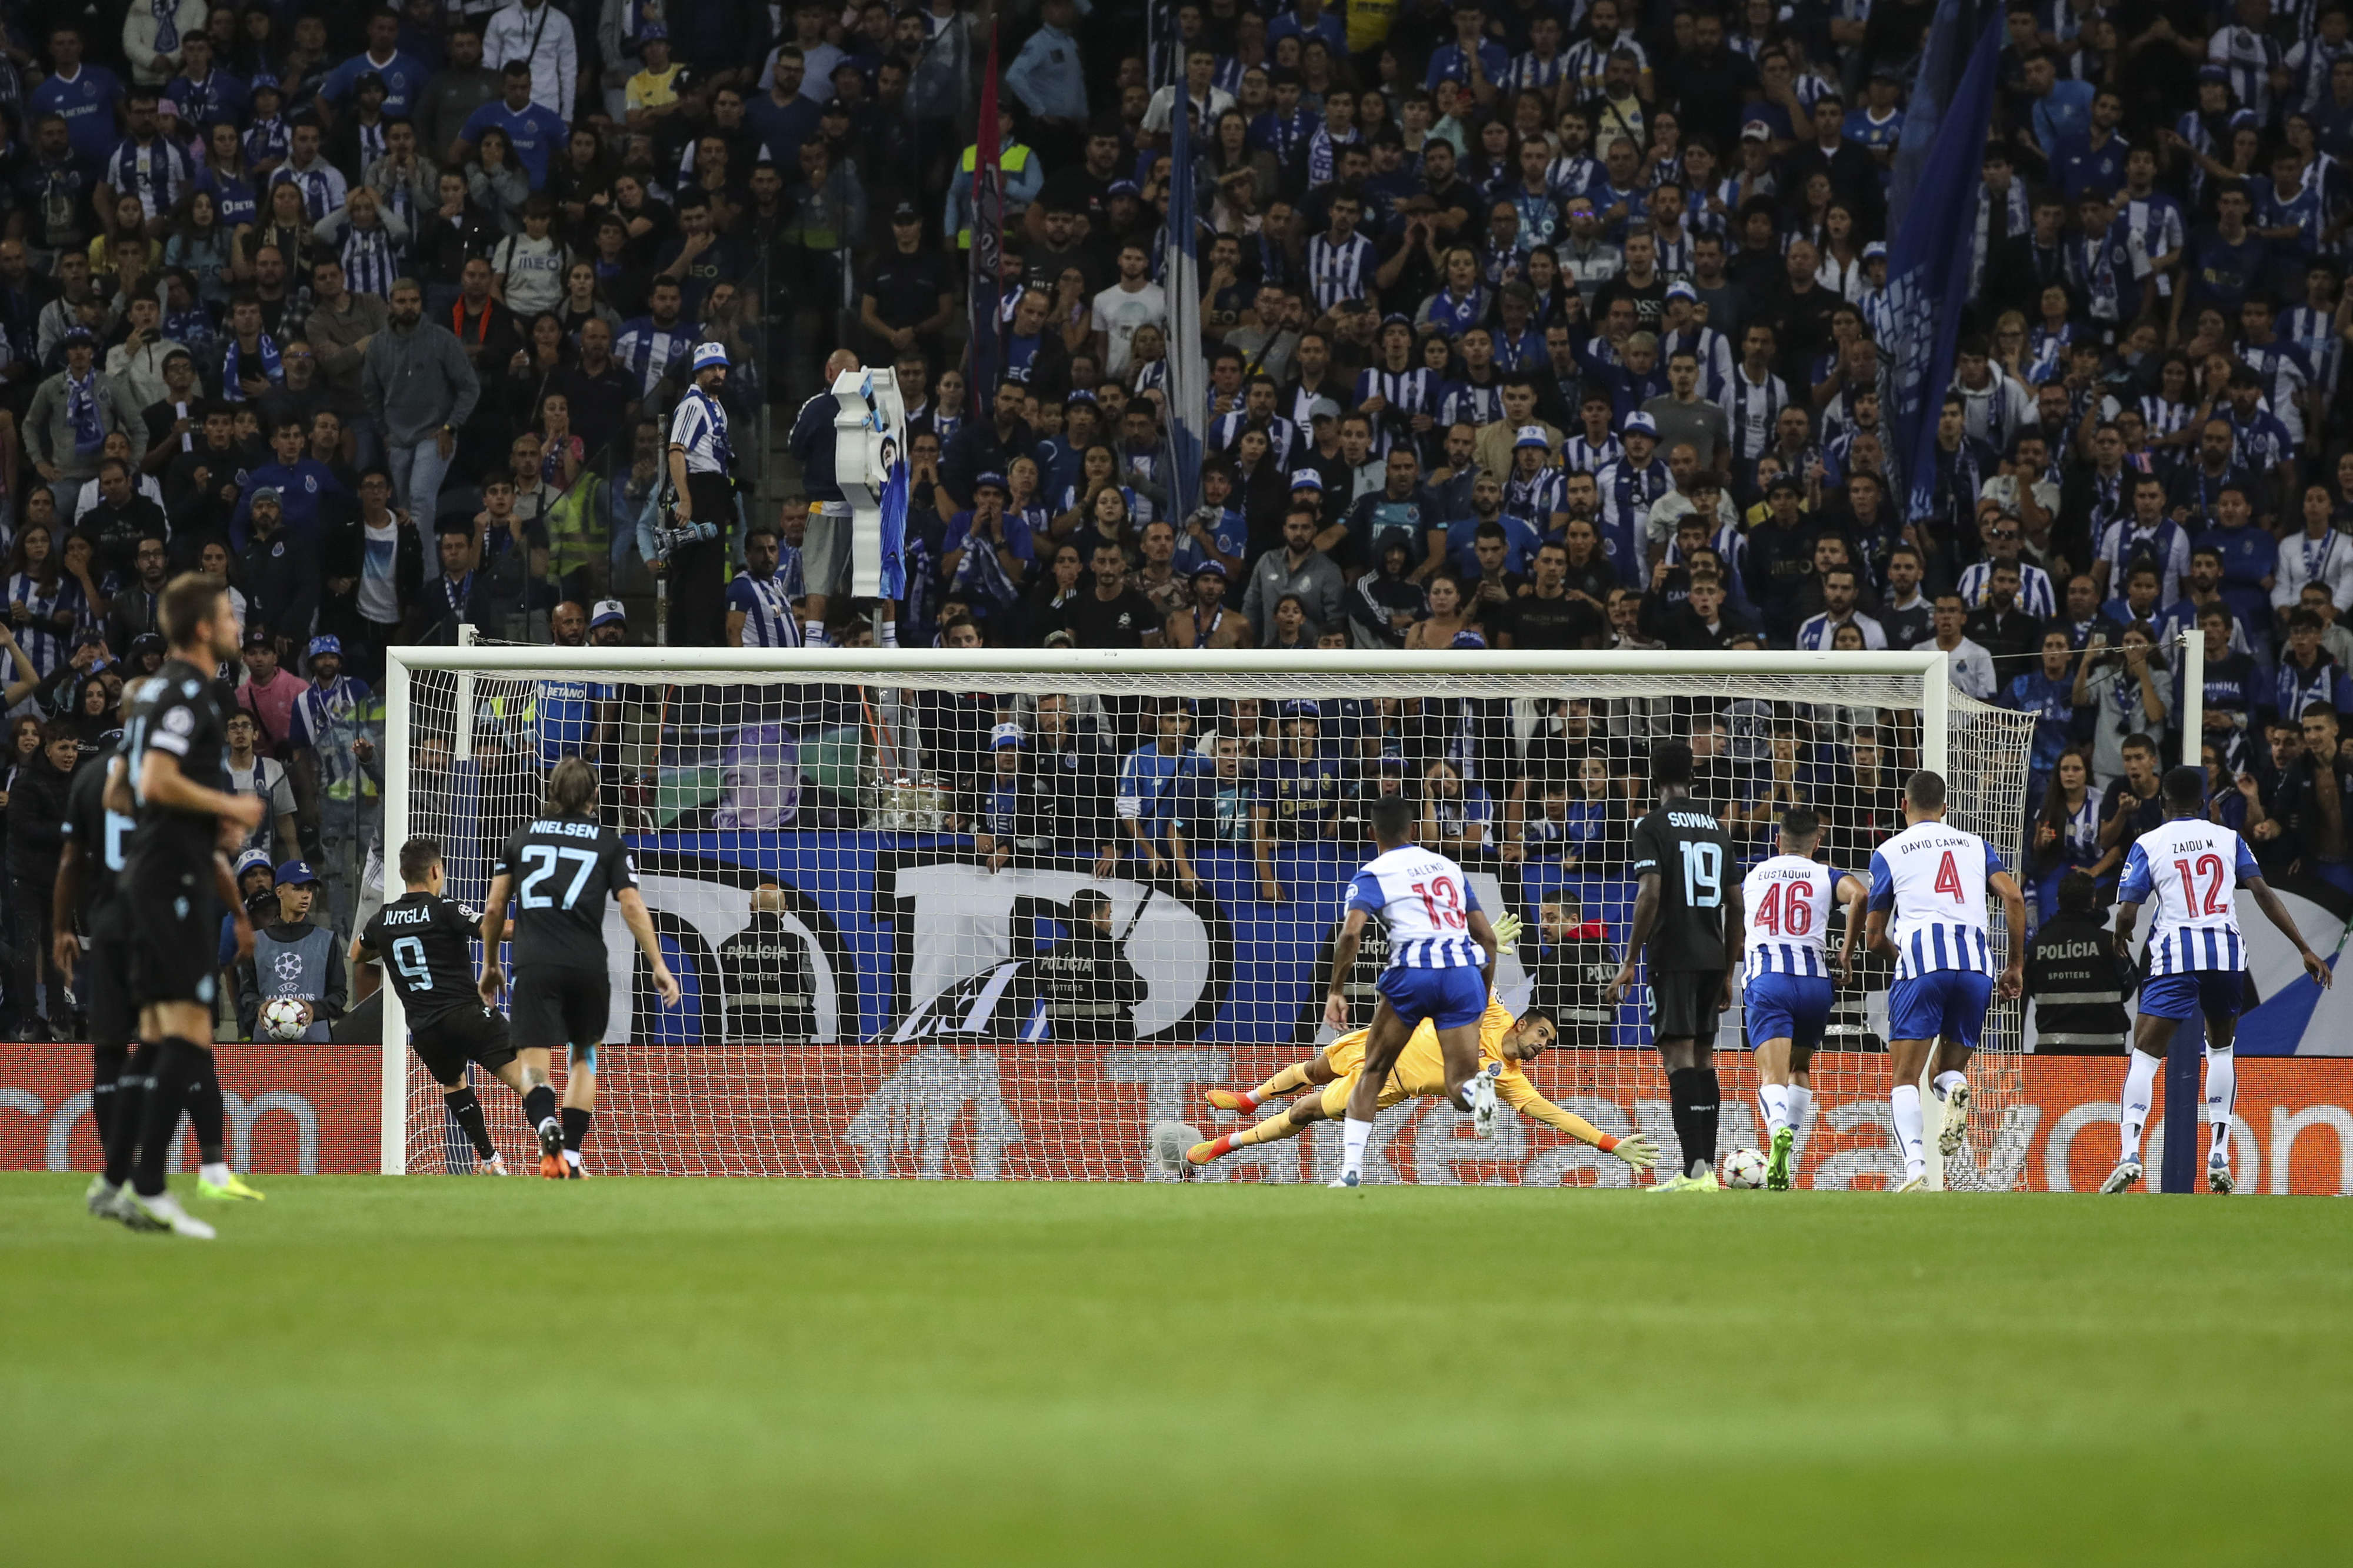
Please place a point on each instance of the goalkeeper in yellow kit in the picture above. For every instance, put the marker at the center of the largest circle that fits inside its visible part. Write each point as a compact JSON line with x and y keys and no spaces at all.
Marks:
{"x":1504,"y":1044}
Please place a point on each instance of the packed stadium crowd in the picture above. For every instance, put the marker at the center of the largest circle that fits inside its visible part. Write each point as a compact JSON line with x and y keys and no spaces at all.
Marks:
{"x":1526,"y":326}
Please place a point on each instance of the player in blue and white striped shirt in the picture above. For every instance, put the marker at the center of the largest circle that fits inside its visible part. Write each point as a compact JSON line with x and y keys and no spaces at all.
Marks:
{"x":2191,"y":869}
{"x":1786,"y":1001}
{"x":760,"y":611}
{"x":1929,"y":887}
{"x":1442,"y":962}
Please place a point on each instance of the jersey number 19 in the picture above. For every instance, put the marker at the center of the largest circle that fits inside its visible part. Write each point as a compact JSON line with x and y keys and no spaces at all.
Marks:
{"x":1703,"y":875}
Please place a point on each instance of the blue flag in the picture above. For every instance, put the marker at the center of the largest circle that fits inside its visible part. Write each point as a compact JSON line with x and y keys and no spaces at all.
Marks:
{"x":1188,"y":370}
{"x":1928,"y":263}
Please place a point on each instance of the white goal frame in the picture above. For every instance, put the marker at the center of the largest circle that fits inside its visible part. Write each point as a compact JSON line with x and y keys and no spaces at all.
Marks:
{"x":1811,"y":677}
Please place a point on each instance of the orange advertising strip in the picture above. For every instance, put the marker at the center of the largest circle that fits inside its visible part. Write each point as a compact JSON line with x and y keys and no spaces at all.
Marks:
{"x":1061,"y":1112}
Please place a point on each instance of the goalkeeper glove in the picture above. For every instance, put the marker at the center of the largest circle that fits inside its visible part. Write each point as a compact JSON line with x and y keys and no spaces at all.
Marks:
{"x":1507,"y":934}
{"x":1636,"y":1149}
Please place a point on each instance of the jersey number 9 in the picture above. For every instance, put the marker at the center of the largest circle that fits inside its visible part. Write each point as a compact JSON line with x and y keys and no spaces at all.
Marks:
{"x":409,"y":957}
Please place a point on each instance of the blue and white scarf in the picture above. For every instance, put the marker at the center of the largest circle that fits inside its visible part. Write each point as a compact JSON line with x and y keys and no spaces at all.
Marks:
{"x":81,"y":413}
{"x":167,"y":25}
{"x":233,"y":369}
{"x":1454,"y":316}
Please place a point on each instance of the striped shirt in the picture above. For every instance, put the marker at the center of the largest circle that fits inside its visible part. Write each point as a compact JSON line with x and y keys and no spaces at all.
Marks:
{"x":700,"y":424}
{"x":1752,"y":408}
{"x":1341,"y":271}
{"x":1424,"y":901}
{"x":2191,"y":869}
{"x":1786,"y":905}
{"x":1932,"y":879}
{"x":370,"y":261}
{"x":766,"y":606}
{"x":1581,"y":456}
{"x":2035,"y":595}
{"x":155,"y":171}
{"x":647,"y":349}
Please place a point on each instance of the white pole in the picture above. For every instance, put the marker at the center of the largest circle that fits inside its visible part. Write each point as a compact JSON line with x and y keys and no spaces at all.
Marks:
{"x":2192,"y":717}
{"x":392,"y":1150}
{"x":1935,"y":757}
{"x":461,"y":747}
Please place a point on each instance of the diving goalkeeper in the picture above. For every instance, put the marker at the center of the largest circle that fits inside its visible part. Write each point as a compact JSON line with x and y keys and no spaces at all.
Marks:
{"x":1504,"y":1044}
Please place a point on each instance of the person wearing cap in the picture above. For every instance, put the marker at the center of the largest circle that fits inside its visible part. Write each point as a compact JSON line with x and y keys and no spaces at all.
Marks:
{"x":909,"y":298}
{"x":332,"y":733}
{"x":292,"y":957}
{"x":72,"y":413}
{"x":994,"y":808}
{"x":608,"y":624}
{"x":701,"y":455}
{"x":1208,"y":622}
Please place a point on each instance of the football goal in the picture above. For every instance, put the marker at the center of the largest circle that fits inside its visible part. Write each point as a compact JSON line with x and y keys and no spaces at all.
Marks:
{"x":988,"y":913}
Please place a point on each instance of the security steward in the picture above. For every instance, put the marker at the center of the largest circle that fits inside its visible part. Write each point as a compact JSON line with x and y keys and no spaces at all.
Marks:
{"x":701,"y":458}
{"x":1089,"y":990}
{"x":2075,"y":977}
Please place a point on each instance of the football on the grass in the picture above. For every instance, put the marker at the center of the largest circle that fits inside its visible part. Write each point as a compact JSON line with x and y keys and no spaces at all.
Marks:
{"x":282,"y":1018}
{"x":1743,"y":1168}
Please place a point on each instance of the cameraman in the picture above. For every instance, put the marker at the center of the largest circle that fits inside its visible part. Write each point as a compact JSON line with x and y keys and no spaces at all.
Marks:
{"x":701,"y":456}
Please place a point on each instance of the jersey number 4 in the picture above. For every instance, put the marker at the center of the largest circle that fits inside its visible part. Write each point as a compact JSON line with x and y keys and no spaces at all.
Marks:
{"x":1442,"y":903}
{"x":2209,"y":867}
{"x":1788,"y":909}
{"x":542,"y":859}
{"x":1949,"y":880}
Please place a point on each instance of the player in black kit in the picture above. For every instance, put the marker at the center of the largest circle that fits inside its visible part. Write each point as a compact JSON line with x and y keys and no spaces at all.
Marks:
{"x":1689,"y":897}
{"x":91,"y":951}
{"x":178,"y":753}
{"x":559,"y":868}
{"x":424,"y":939}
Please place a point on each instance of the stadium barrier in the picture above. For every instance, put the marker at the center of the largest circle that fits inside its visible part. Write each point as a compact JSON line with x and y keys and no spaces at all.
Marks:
{"x":1072,"y":1112}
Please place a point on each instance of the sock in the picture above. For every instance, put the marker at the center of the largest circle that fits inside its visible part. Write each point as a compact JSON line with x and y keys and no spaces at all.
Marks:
{"x":1273,"y":1130}
{"x":1800,"y":1100}
{"x":576,"y":1130}
{"x":539,"y":1107}
{"x":890,"y":634}
{"x":177,"y":1074}
{"x":1945,"y":1082}
{"x":2140,"y":1088}
{"x":105,"y":1071}
{"x":204,"y":1109}
{"x":214,"y":1170}
{"x":1772,"y":1099}
{"x":1356,"y":1134}
{"x":1682,"y":1090}
{"x":468,"y":1112}
{"x":1705,"y":1111}
{"x":130,"y":1101}
{"x":1289,"y":1081}
{"x":2222,"y":1094}
{"x":1905,"y":1099}
{"x":813,"y":633}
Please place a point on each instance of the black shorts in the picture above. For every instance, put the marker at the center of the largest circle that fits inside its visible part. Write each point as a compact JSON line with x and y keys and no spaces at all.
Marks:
{"x":554,"y":1008}
{"x":174,"y":936}
{"x":447,"y":1041}
{"x":1683,"y":1005}
{"x":105,"y":981}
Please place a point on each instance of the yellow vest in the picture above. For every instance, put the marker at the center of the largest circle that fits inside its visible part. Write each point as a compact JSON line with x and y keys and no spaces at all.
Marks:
{"x":1012,"y":158}
{"x":1369,"y":23}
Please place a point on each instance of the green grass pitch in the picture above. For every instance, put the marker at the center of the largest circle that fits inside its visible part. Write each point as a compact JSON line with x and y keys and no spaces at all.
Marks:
{"x":369,"y":1370}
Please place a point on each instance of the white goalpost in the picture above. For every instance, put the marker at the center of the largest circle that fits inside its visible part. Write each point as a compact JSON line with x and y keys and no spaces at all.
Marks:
{"x":992,"y":913}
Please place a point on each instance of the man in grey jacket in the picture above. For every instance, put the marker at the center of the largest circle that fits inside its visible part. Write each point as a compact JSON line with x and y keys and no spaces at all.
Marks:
{"x":72,"y":413}
{"x":341,"y":326}
{"x":420,"y":390}
{"x":1297,"y":568}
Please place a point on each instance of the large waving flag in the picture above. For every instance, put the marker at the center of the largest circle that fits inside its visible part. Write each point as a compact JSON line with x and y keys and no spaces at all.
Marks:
{"x":987,"y":245}
{"x":1188,"y":372}
{"x":1928,"y":260}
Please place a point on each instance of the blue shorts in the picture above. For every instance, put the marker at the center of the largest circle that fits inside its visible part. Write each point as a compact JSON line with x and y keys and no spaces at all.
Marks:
{"x":1792,"y":1007}
{"x":2212,"y":993}
{"x":1449,"y":998}
{"x":1948,"y":1004}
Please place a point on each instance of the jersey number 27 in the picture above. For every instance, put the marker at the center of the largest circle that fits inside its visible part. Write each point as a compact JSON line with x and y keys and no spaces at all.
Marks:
{"x":542,"y":859}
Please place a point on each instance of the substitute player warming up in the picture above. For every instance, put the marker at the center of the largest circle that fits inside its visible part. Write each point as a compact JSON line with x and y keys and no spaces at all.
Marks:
{"x":1680,"y":854}
{"x":1786,"y":1000}
{"x":177,"y":750}
{"x":2192,"y":869}
{"x":1442,"y":964}
{"x":559,"y":868}
{"x":1929,"y":913}
{"x":424,"y":938}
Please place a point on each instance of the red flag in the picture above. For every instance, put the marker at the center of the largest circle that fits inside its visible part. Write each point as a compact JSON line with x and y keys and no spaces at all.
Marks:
{"x":987,"y":242}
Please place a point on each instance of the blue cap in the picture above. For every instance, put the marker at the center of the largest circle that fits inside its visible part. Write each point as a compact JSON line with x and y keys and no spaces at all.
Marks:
{"x":249,"y":860}
{"x":1209,"y":569}
{"x":608,"y":613}
{"x":1306,"y":479}
{"x":707,"y":354}
{"x":297,"y":874}
{"x":326,"y":642}
{"x":991,"y":479}
{"x":1639,"y":423}
{"x":1467,"y":638}
{"x":1303,"y":708}
{"x":2213,"y":73}
{"x":1003,"y":735}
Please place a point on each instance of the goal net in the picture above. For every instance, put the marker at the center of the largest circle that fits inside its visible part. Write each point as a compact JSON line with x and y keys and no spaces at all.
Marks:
{"x":993,"y":914}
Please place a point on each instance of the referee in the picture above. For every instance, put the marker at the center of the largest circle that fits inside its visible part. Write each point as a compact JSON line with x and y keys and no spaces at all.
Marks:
{"x":700,"y":457}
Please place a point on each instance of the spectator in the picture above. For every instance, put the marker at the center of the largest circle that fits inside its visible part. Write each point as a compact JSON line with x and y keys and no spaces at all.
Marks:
{"x":294,"y":958}
{"x":37,"y":809}
{"x":1297,"y":568}
{"x":72,"y":413}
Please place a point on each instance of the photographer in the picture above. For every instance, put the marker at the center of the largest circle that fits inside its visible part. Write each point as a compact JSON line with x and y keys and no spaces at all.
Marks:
{"x":2121,"y":692}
